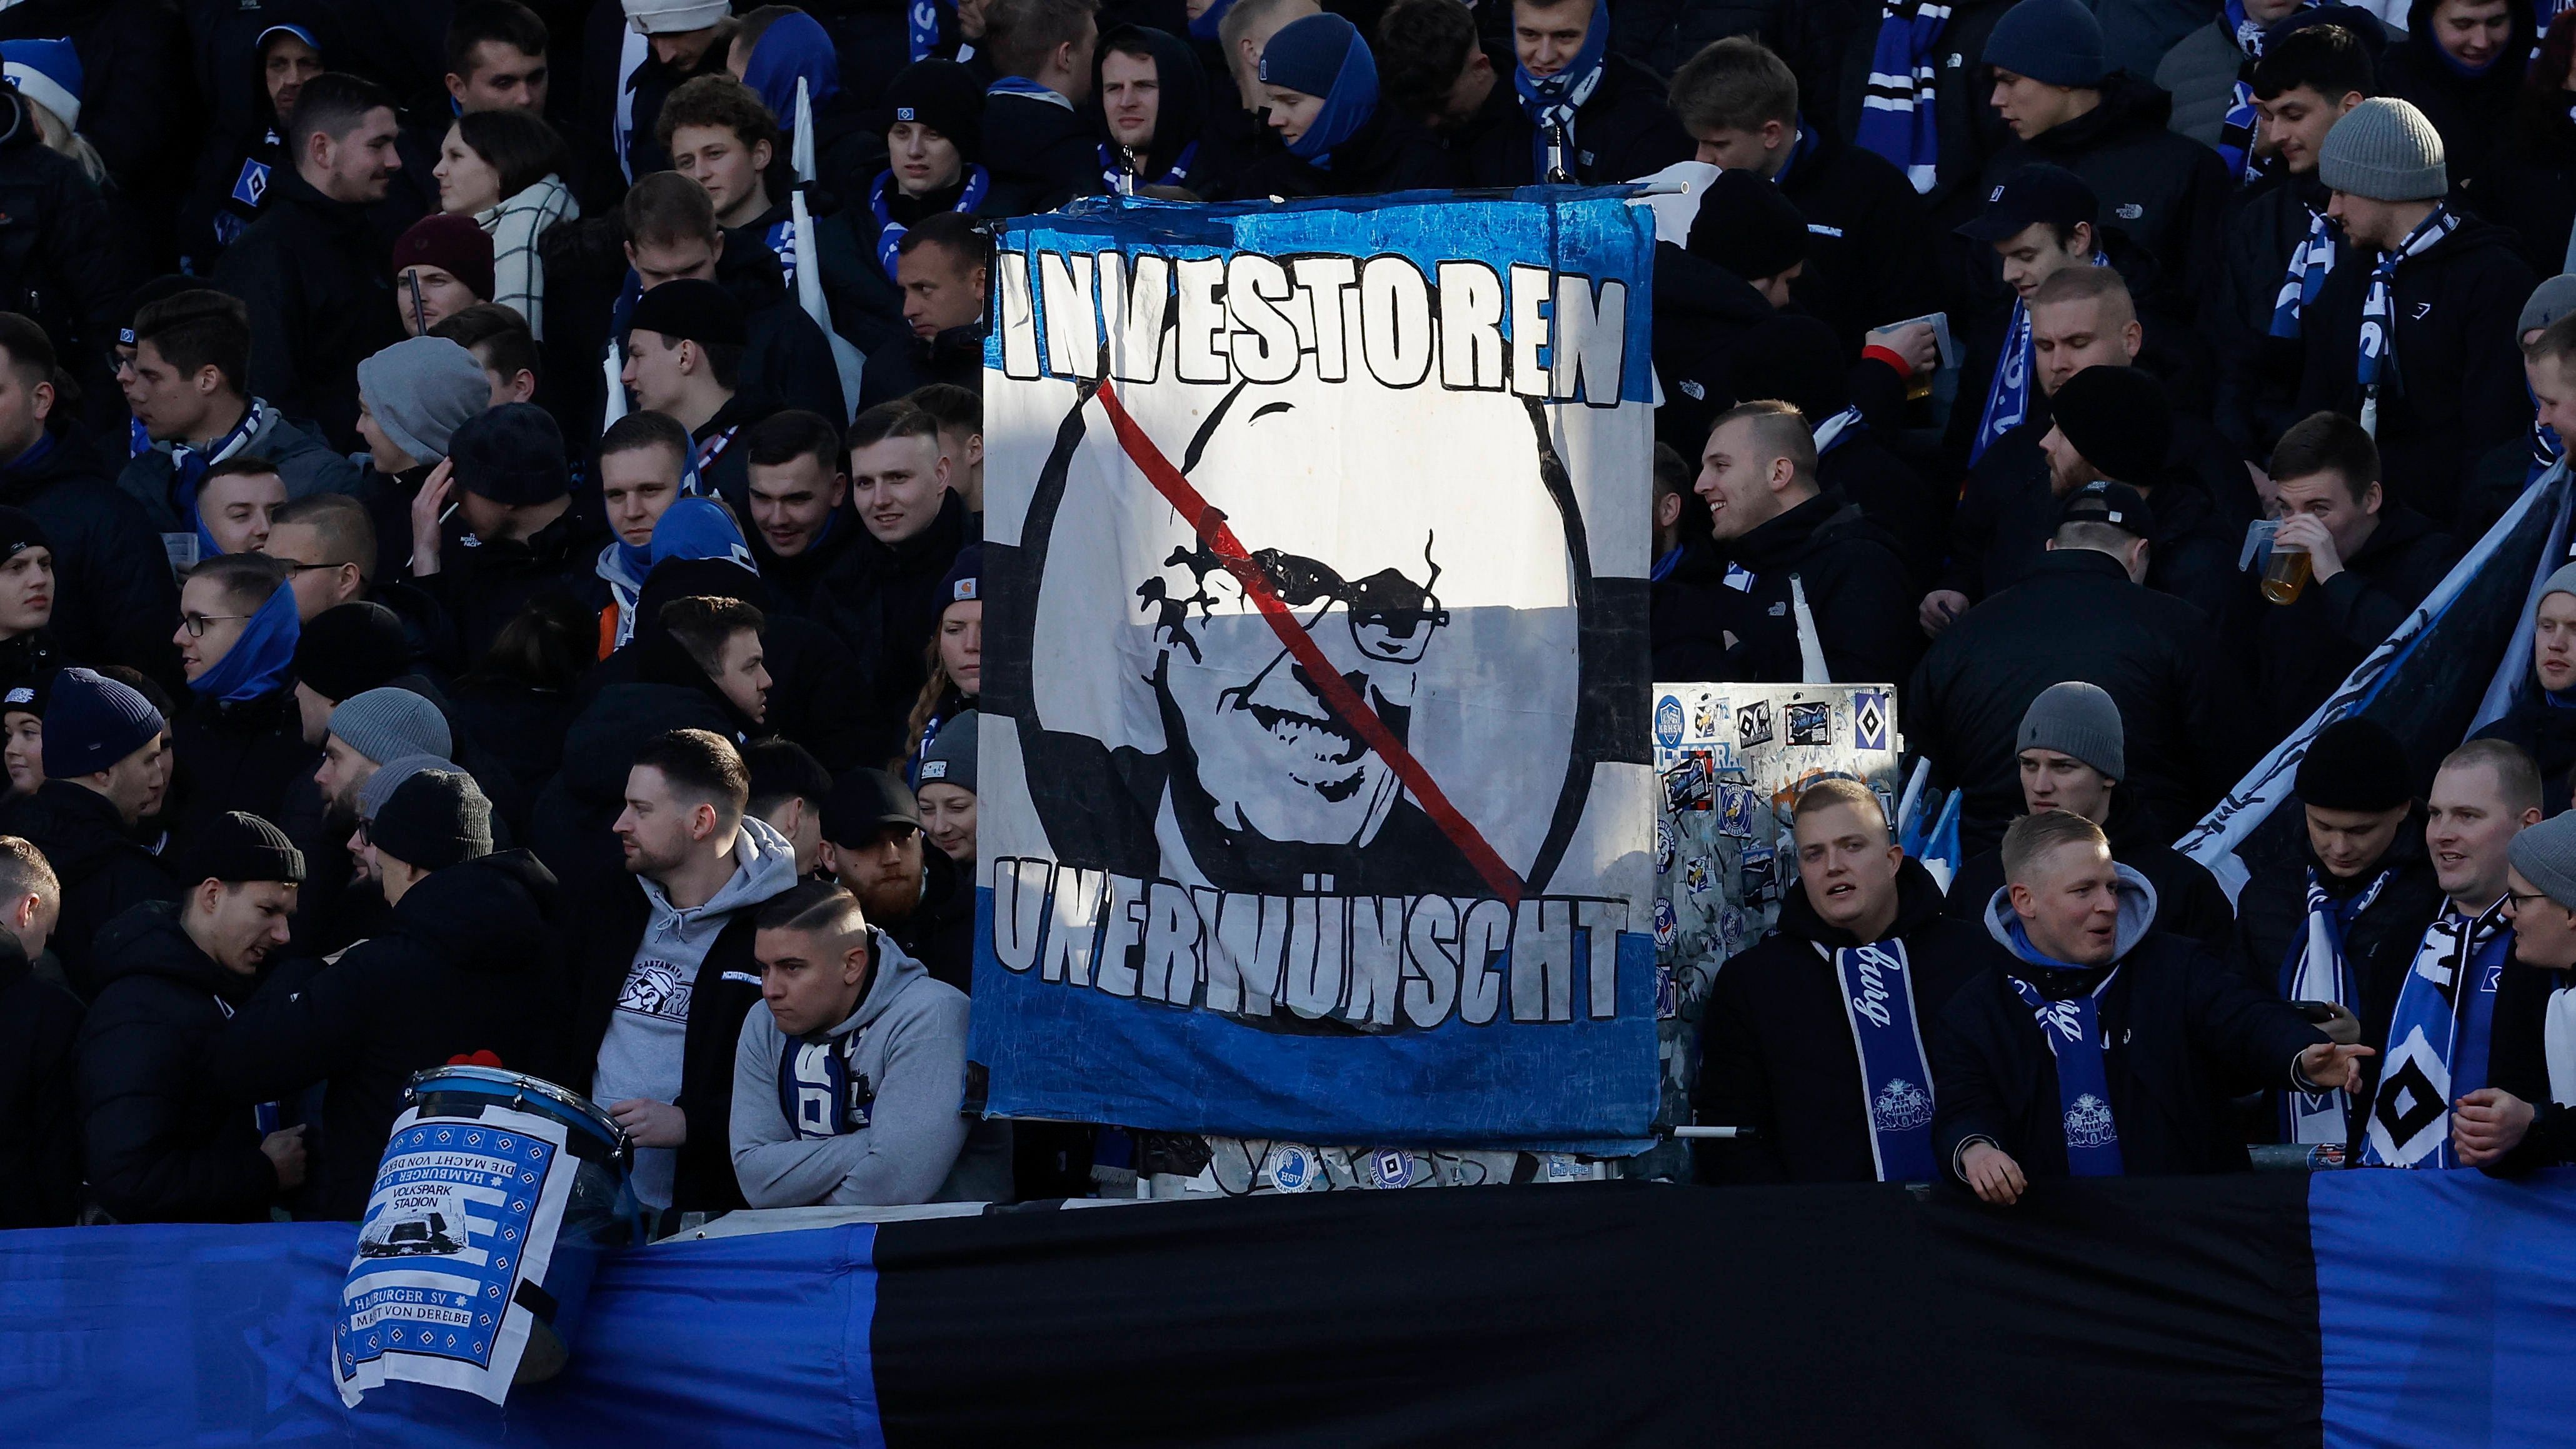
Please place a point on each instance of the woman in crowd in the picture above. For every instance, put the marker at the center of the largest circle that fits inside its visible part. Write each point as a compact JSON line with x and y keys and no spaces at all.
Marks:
{"x":956,"y":657}
{"x":504,"y":169}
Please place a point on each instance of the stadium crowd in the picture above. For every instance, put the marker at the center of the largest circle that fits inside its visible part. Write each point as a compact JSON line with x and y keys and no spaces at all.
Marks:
{"x":460,"y":600}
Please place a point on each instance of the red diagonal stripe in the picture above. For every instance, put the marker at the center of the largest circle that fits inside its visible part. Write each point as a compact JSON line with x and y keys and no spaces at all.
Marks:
{"x":1337,"y":692}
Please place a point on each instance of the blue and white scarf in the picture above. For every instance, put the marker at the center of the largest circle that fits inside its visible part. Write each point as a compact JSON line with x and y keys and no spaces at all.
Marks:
{"x":890,"y":231}
{"x":2238,"y":132}
{"x":2073,"y":1030}
{"x":2318,"y":970}
{"x":2437,"y":1039}
{"x":1839,"y":429}
{"x":817,"y":1090}
{"x":1123,"y":182}
{"x":2008,"y":397}
{"x":2379,"y":308}
{"x":1895,"y":1074}
{"x":189,"y":466}
{"x":921,"y":29}
{"x":1898,"y":114}
{"x":2310,"y":263}
{"x":2546,"y":448}
{"x":1020,"y":85}
{"x":781,"y":241}
{"x":1550,"y":104}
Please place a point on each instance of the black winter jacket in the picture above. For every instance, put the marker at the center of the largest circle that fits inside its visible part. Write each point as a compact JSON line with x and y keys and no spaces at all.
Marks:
{"x":1701,"y":313}
{"x":940,"y":932}
{"x":2179,"y":697}
{"x":483,"y":587}
{"x":472,"y":962}
{"x":320,"y":291}
{"x":2528,"y":185}
{"x":134,"y":77}
{"x":1855,"y":584}
{"x":111,"y":604}
{"x":2272,"y":914}
{"x":2257,"y":373}
{"x":235,"y":757}
{"x":1776,"y":1048}
{"x":1624,"y":132}
{"x":2187,"y":1035}
{"x":2168,"y":192}
{"x":2309,"y":646}
{"x":2518,"y":1062}
{"x":60,"y":261}
{"x":789,"y":359}
{"x":40,"y":1124}
{"x":1389,"y":152}
{"x":884,"y":603}
{"x":1041,"y":155}
{"x":163,"y":1146}
{"x":2452,"y":385}
{"x":896,"y":369}
{"x":103,"y":872}
{"x":2472,"y":113}
{"x":2546,"y":732}
{"x":1913,"y":513}
{"x":1867,"y":261}
{"x":727,"y":987}
{"x":570,"y":828}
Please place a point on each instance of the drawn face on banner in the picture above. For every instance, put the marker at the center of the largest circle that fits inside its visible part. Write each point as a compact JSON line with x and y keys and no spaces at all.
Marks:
{"x":1350,"y":586}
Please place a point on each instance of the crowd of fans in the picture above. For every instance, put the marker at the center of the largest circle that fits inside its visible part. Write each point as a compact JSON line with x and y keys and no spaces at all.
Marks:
{"x":510,"y":622}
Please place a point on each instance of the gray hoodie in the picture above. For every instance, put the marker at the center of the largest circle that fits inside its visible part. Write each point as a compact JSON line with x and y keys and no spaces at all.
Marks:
{"x":915,"y":1147}
{"x":2137,"y":915}
{"x":640,"y":1056}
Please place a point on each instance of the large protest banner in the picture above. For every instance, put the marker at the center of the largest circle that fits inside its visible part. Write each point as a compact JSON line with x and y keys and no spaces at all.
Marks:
{"x":1317,"y":800}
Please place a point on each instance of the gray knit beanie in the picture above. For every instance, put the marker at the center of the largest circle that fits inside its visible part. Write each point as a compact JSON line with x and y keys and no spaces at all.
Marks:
{"x":2386,"y":150}
{"x":421,"y":390}
{"x":2546,"y":856}
{"x":389,"y":723}
{"x":388,"y":778}
{"x":2077,"y":719}
{"x":949,"y":758}
{"x":2550,"y":301}
{"x":2561,"y":582}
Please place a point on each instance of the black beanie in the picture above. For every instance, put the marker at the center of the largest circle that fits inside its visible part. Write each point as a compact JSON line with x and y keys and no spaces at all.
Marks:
{"x":2355,"y":764}
{"x":20,"y":530}
{"x":237,"y":846}
{"x":692,"y":310}
{"x":2117,"y":417}
{"x":1746,"y":226}
{"x":433,"y":820}
{"x":513,"y":454}
{"x":943,"y":95}
{"x":348,"y":649}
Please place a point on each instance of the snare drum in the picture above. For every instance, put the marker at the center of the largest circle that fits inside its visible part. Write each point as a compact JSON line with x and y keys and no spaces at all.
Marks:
{"x":456,"y":1107}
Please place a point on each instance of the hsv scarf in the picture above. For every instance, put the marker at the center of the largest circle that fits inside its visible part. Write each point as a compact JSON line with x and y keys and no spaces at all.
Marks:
{"x":1839,"y":429}
{"x":2318,"y":971}
{"x":1115,"y":168}
{"x":890,"y":231}
{"x":2379,"y":307}
{"x":1895,"y":1076}
{"x":921,"y":29}
{"x":260,"y":660}
{"x":2310,"y":263}
{"x":1550,"y":104}
{"x":817,"y":1090}
{"x":2437,"y":1040}
{"x":2237,"y":133}
{"x":2008,"y":397}
{"x":1898,"y":117}
{"x":2073,"y":1029}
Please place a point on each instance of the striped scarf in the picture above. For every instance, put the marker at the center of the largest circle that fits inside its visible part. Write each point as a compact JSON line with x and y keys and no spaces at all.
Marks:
{"x":2239,"y":131}
{"x":2310,"y":263}
{"x":1898,"y":117}
{"x":2379,"y":309}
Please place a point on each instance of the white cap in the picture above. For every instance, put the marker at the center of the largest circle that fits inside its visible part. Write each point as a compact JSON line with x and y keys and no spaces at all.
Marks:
{"x":670,"y":17}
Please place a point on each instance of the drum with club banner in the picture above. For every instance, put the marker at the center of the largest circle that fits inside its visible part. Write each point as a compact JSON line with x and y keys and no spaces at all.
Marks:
{"x":497,"y":1197}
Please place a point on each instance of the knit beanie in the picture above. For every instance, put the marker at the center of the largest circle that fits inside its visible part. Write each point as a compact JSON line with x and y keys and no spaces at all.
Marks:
{"x":389,"y":776}
{"x":27,"y":696}
{"x":2546,"y":856}
{"x":2550,"y":301}
{"x":963,"y":582}
{"x":2386,"y":150}
{"x":433,"y":820}
{"x":91,"y":722}
{"x":949,"y":758}
{"x":421,"y":390}
{"x":2563,"y":581}
{"x":2117,"y":417}
{"x":348,"y":649}
{"x":2077,"y":719}
{"x":19,"y":530}
{"x":237,"y":846}
{"x":2054,"y":42}
{"x":674,"y":17}
{"x":512,"y":454}
{"x":1306,"y":55}
{"x":387,"y":724}
{"x":454,"y":245}
{"x":1746,"y":226}
{"x":47,"y":72}
{"x":2355,"y":764}
{"x":946,"y":97}
{"x":692,"y":310}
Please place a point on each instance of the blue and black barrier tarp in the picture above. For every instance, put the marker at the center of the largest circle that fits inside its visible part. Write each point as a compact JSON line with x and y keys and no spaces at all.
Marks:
{"x":2350,"y":1308}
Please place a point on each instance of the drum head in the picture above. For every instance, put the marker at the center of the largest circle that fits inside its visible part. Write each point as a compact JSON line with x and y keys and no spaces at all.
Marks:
{"x":522,"y":1092}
